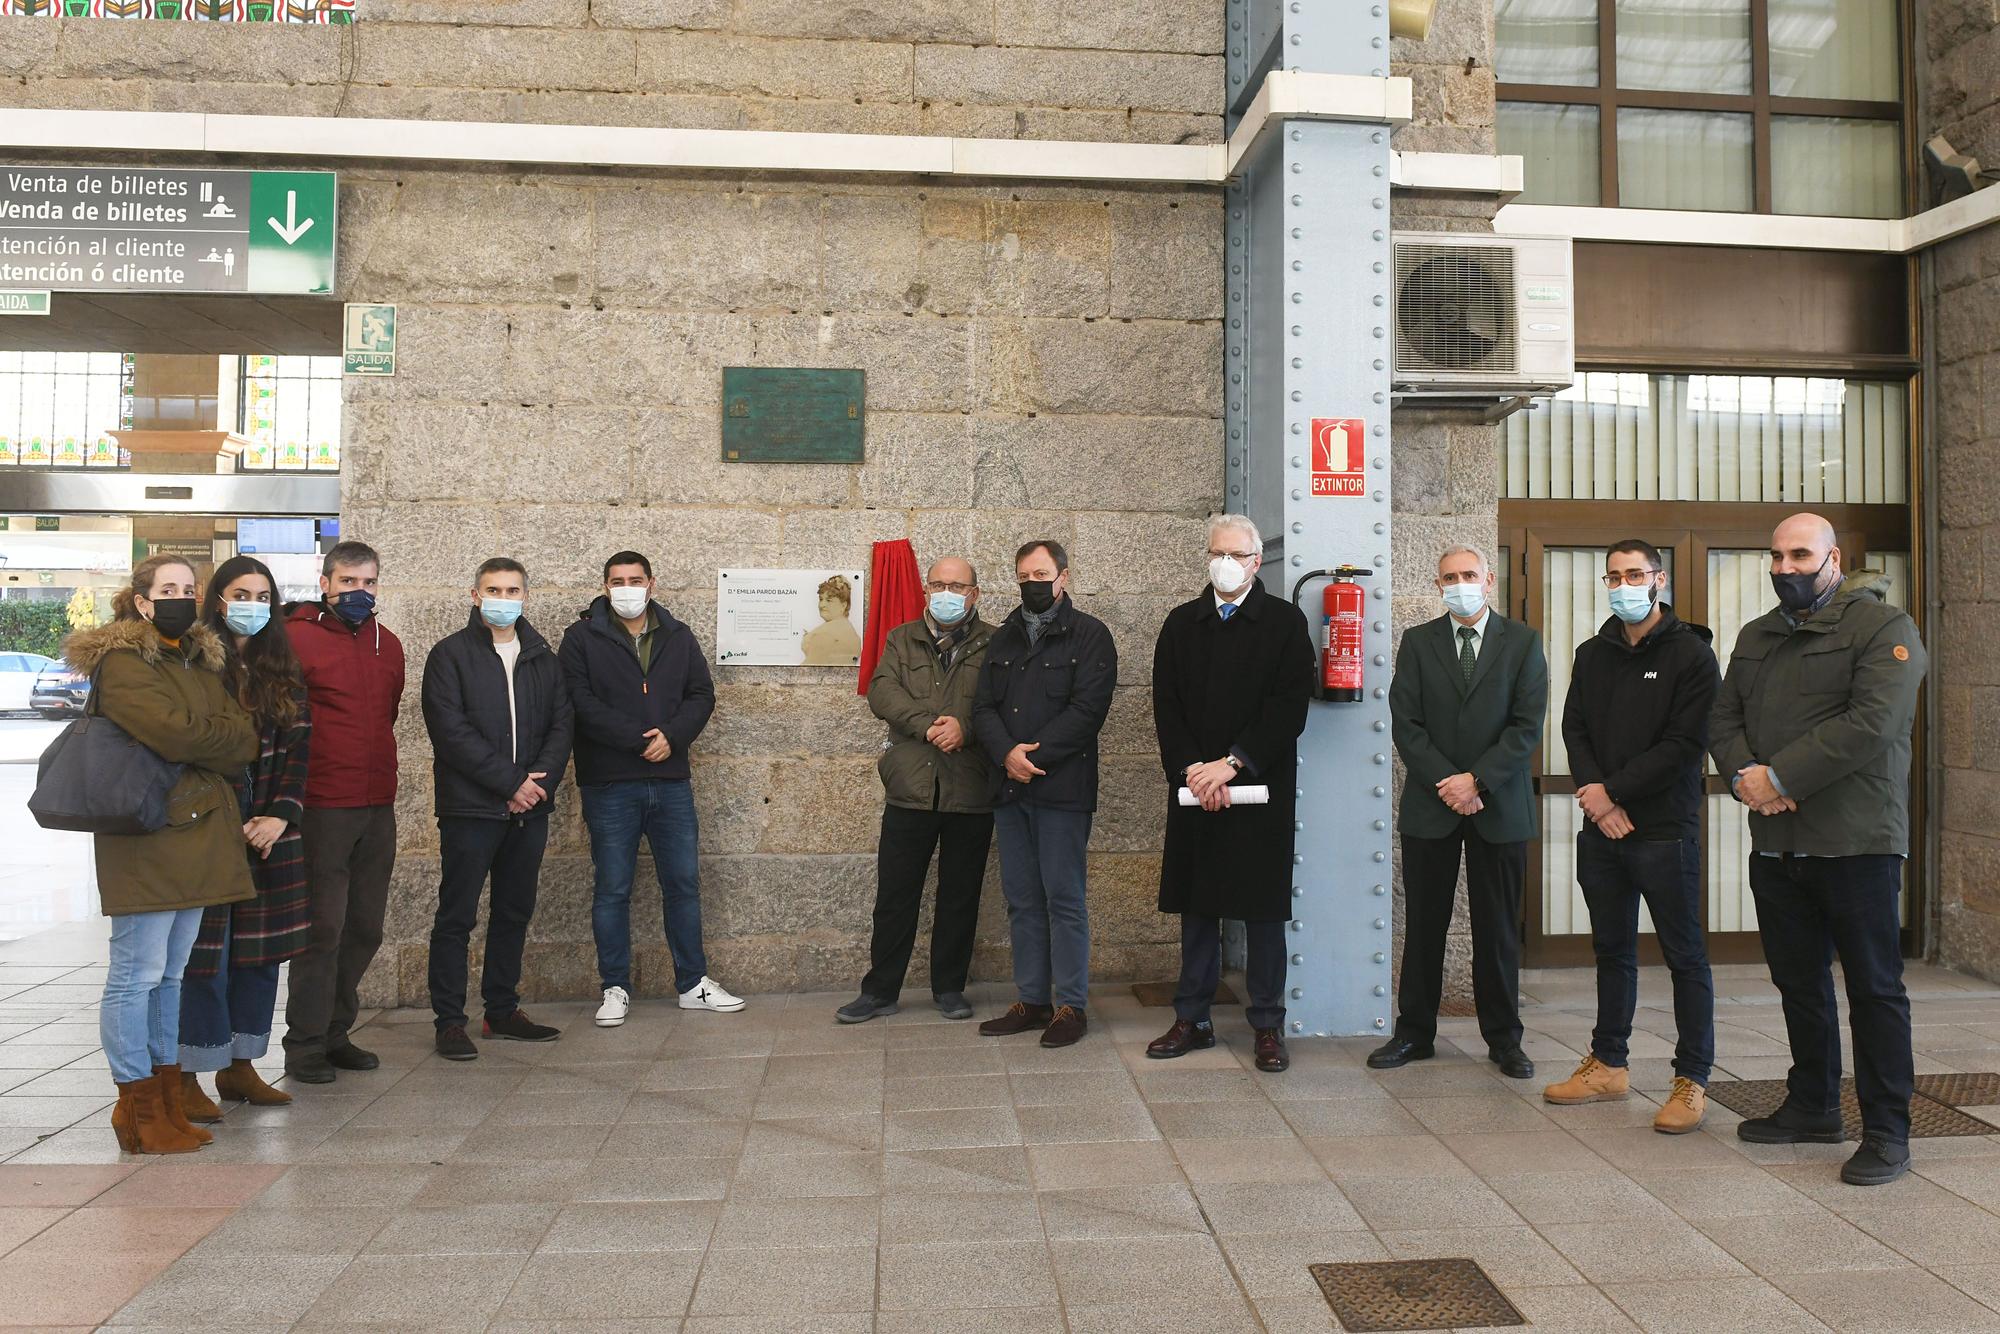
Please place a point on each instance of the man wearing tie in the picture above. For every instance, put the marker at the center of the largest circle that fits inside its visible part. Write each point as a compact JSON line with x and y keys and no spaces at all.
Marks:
{"x":1468,"y":702}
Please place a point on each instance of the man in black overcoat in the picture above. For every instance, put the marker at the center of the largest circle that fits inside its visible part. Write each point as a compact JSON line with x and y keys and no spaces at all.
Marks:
{"x":1232,"y":673}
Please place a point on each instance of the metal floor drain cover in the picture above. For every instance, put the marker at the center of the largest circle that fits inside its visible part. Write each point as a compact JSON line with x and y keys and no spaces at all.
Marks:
{"x":1961,"y":1090}
{"x":1158,"y":995}
{"x":1929,"y":1119}
{"x":1413,"y":1294}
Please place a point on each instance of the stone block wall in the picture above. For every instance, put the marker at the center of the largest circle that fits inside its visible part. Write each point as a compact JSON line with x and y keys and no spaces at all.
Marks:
{"x":1963,"y":97}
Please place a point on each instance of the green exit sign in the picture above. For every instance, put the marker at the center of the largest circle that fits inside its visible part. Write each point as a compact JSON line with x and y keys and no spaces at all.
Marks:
{"x":24,"y":303}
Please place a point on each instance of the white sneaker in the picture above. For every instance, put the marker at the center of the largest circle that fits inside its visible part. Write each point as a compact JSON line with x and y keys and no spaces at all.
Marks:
{"x":706,"y":995}
{"x":617,"y":1004}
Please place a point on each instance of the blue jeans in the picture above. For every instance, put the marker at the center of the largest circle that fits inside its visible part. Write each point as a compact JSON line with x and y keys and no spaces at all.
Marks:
{"x":663,"y":811}
{"x":1042,"y":876}
{"x":1808,"y":910}
{"x":1615,"y":874}
{"x":139,"y":1022}
{"x":226,"y":1015}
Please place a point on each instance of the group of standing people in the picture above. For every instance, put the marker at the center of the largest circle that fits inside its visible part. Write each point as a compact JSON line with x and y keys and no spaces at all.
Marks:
{"x":1811,"y":726}
{"x":281,"y":837}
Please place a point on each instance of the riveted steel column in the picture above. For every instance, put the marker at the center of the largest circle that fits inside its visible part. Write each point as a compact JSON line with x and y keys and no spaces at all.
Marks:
{"x":1308,"y":339}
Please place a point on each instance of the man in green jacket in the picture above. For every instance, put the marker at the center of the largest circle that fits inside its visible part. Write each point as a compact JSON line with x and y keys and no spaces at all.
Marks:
{"x":939,"y":795}
{"x":1813,"y":728}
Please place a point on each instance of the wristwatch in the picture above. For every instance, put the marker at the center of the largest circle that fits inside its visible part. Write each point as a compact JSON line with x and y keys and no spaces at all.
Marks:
{"x":1233,"y":763}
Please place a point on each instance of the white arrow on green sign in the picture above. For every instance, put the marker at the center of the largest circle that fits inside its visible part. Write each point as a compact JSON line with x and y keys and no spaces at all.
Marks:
{"x":147,"y":229}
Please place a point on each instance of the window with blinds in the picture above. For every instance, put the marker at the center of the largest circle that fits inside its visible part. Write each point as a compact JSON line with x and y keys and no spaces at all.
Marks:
{"x":1778,"y":439}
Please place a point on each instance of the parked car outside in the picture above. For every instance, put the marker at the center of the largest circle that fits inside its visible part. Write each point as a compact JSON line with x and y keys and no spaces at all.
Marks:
{"x":59,"y":692}
{"x":18,"y":674}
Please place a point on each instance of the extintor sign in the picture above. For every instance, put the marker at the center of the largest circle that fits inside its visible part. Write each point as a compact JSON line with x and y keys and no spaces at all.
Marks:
{"x":1338,"y":457}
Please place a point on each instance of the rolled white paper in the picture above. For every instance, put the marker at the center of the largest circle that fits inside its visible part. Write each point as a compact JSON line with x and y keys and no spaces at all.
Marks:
{"x":1250,"y":794}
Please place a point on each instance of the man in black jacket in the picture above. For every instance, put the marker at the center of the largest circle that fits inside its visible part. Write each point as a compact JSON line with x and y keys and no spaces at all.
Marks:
{"x":1636,"y":726}
{"x":1041,"y":701}
{"x":642,"y":692}
{"x":499,"y":720}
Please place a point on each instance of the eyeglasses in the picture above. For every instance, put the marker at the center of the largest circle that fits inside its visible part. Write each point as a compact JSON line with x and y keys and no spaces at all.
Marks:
{"x":1234,"y":555}
{"x":1630,"y":578}
{"x":937,"y":586}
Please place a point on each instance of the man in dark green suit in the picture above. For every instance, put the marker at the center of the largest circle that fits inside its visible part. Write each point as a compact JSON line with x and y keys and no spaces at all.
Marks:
{"x":1469,"y":699}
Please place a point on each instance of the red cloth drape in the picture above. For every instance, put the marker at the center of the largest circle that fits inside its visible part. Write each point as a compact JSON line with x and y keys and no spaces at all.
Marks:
{"x":895,"y":595}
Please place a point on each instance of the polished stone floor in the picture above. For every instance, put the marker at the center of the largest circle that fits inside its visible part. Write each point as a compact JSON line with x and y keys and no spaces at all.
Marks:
{"x":770,"y":1171}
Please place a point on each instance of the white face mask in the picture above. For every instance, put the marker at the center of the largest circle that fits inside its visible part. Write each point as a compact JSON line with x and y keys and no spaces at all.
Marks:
{"x":1465,"y":599}
{"x":629,"y":601}
{"x":1228,"y":574}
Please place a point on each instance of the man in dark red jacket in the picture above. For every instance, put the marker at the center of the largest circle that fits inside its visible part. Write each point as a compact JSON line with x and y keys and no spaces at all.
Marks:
{"x":354,"y":683}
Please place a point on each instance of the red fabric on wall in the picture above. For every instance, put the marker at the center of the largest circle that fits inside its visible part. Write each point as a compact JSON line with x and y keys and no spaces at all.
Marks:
{"x":896,"y":595}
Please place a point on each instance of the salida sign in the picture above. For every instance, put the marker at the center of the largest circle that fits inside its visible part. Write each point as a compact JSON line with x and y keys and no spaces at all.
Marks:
{"x":1338,"y":456}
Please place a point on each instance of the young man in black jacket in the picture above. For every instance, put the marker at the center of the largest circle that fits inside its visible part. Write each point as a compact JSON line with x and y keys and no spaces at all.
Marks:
{"x":642,"y":692}
{"x":1041,"y":700}
{"x":499,"y":720}
{"x":1636,"y":725}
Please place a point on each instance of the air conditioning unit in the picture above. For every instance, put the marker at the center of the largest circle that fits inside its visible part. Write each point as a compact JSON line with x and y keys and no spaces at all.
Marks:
{"x":1482,"y":317}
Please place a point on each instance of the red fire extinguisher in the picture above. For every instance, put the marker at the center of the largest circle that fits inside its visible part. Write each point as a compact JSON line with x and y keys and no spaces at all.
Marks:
{"x":1340,"y":660}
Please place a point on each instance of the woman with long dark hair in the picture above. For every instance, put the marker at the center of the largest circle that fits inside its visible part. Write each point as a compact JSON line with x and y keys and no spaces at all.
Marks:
{"x":231,"y":989}
{"x":156,"y":672}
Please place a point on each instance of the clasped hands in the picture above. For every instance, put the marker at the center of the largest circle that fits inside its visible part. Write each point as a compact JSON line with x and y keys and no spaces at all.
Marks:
{"x":1461,"y":793}
{"x":1598,"y":808}
{"x":527,"y":795}
{"x":1755,"y":789}
{"x":1210,"y":783}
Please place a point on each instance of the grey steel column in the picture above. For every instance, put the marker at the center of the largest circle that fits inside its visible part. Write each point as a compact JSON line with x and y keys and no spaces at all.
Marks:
{"x":1308,"y":337}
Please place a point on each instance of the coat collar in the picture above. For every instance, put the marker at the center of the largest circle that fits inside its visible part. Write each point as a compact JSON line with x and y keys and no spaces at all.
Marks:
{"x":1498,"y":628}
{"x":531,"y":638}
{"x":1252,"y":604}
{"x":86,"y":650}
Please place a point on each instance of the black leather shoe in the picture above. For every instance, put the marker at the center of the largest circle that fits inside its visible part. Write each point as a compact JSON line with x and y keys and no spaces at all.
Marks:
{"x":1876,"y":1163}
{"x":1272,"y":1058}
{"x":309,"y":1067}
{"x":1398,"y":1052}
{"x":1513,"y":1063}
{"x":1181,"y":1039}
{"x":1793,"y":1125}
{"x":347,"y":1056}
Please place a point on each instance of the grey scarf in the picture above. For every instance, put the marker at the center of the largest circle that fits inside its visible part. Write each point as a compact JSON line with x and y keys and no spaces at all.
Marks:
{"x":1035,"y":625}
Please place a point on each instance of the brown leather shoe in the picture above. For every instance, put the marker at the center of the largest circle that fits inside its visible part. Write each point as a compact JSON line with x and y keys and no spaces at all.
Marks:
{"x":168,"y":1077}
{"x":1066,"y":1026}
{"x":1182,"y":1038}
{"x":1020,"y":1017}
{"x":1272,"y":1058}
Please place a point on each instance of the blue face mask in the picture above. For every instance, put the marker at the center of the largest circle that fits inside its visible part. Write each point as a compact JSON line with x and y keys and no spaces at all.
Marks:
{"x":1465,"y":599}
{"x":500,"y":612}
{"x":947,"y":608}
{"x":1632,"y":605}
{"x":246,"y":618}
{"x":354,"y":606}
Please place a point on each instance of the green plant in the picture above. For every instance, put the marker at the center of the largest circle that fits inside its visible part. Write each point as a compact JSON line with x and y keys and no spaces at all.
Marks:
{"x":32,"y":627}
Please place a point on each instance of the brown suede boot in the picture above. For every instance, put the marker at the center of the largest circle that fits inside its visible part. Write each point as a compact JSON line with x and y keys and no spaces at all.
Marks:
{"x":195,"y":1102}
{"x":168,"y":1077}
{"x":241,"y":1083}
{"x":140,"y":1121}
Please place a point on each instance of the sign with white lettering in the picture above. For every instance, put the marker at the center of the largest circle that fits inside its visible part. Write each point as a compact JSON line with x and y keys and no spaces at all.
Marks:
{"x":147,"y":229}
{"x":788,"y":618}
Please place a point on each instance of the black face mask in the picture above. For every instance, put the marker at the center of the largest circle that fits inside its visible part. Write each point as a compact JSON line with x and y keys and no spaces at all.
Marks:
{"x":1799,"y":592}
{"x":1037,"y":595}
{"x":173,"y":617}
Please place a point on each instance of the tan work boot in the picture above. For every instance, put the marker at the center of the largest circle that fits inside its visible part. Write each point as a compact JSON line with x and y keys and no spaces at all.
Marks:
{"x":1594,"y":1081}
{"x":1683,"y":1109}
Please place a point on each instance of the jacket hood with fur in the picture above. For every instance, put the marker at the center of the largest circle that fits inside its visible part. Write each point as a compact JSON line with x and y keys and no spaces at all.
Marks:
{"x":86,"y":650}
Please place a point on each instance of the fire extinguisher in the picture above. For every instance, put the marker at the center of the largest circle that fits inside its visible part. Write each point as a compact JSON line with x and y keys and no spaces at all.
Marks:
{"x":1345,"y":608}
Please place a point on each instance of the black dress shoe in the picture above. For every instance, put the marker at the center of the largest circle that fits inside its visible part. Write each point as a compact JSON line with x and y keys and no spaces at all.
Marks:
{"x":1513,"y":1063}
{"x":1793,"y":1125}
{"x":1181,"y":1039}
{"x":1876,"y":1163}
{"x":1272,"y":1058}
{"x":309,"y":1067}
{"x":1398,"y":1052}
{"x":347,"y":1056}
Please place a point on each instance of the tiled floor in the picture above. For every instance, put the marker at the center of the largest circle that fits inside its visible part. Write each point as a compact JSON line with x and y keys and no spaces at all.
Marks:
{"x":771,"y":1171}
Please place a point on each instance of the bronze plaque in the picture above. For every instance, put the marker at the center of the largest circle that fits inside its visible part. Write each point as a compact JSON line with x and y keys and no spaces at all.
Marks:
{"x":792,"y":414}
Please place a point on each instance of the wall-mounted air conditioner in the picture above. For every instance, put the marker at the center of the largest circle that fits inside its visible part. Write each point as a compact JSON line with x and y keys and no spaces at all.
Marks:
{"x":1483,"y":317}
